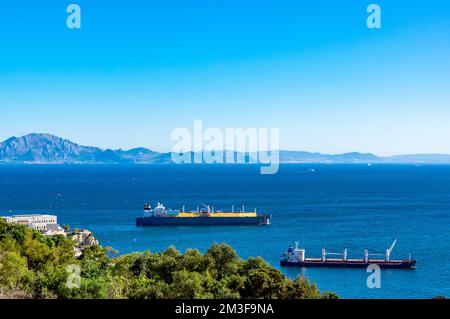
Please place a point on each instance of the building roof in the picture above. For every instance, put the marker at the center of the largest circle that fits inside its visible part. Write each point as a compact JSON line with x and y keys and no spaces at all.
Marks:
{"x":53,"y":227}
{"x":30,"y":215}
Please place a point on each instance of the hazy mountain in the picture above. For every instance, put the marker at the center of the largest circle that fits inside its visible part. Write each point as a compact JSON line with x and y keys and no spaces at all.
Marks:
{"x":306,"y":157}
{"x":46,"y":148}
{"x":419,"y":159}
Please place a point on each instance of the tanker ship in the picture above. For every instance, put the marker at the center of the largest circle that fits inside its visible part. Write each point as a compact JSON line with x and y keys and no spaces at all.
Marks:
{"x":206,"y":216}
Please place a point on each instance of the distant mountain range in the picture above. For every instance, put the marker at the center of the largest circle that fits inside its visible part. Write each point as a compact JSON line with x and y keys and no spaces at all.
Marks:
{"x":45,"y":148}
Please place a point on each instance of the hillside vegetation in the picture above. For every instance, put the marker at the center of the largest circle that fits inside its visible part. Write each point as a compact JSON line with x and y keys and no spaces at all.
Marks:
{"x":35,"y":266}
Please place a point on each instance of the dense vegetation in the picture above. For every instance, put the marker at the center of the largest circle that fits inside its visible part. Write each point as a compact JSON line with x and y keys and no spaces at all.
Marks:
{"x":35,"y":266}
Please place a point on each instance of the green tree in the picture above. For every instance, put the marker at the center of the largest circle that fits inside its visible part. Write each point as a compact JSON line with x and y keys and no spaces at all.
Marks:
{"x":301,"y":288}
{"x":13,"y":270}
{"x":35,"y":265}
{"x":188,"y":285}
{"x":224,"y":260}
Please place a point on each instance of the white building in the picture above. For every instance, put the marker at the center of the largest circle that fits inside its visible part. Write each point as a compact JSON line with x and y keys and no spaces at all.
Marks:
{"x":84,"y":237}
{"x":42,"y":223}
{"x":54,"y":229}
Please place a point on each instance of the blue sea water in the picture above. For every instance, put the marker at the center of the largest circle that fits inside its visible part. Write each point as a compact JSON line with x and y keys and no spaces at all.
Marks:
{"x":332,"y":206}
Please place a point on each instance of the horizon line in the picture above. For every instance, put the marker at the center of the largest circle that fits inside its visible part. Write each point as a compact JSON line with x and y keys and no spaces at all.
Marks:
{"x":235,"y":151}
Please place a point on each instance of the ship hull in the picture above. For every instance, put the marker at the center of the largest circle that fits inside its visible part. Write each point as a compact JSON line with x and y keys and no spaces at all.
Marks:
{"x":203,"y":221}
{"x":401,"y":264}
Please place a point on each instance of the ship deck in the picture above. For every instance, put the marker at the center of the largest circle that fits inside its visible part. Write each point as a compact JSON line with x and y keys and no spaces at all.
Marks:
{"x":349,"y":263}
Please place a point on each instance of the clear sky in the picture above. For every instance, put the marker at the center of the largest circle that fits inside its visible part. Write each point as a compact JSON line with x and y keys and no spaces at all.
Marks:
{"x":138,"y":69}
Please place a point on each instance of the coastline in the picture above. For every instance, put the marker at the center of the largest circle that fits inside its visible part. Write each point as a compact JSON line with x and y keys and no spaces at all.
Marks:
{"x":219,"y":273}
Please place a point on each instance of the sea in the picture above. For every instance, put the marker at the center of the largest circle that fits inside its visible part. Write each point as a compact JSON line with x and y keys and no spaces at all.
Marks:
{"x":320,"y":206}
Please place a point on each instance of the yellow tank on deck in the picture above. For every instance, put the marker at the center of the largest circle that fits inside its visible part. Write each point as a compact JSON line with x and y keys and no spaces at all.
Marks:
{"x":219,"y":214}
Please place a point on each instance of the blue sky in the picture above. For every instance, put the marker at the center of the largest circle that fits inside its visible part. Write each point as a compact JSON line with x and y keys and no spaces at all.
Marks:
{"x":138,"y":69}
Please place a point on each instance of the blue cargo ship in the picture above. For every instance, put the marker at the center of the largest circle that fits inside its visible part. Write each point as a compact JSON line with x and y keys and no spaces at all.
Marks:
{"x":207,"y":216}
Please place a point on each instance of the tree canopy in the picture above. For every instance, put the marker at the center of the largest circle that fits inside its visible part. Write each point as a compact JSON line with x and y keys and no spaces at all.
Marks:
{"x":36,"y":266}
